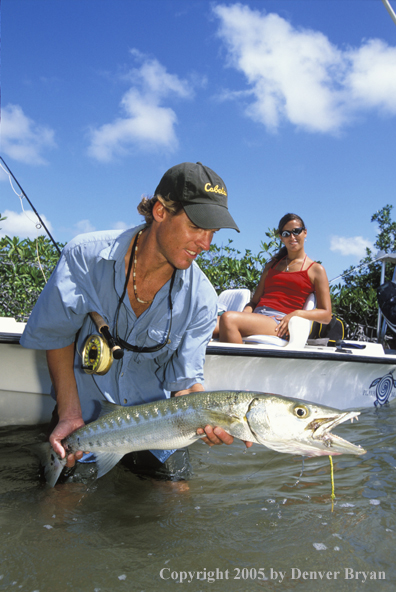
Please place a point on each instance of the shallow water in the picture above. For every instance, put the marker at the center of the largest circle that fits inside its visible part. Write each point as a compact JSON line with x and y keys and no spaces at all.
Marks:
{"x":246,"y":520}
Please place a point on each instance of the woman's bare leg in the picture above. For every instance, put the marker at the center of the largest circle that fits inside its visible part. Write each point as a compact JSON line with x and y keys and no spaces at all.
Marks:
{"x":236,"y":325}
{"x":216,"y":329}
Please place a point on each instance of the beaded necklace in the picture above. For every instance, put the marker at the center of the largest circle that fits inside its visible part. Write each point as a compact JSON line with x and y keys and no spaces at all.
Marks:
{"x":134,"y":273}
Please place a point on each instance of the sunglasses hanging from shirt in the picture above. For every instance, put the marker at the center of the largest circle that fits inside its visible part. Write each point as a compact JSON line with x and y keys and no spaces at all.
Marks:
{"x":100,"y":350}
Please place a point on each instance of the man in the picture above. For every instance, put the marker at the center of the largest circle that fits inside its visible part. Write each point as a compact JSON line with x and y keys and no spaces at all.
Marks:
{"x":157,"y":303}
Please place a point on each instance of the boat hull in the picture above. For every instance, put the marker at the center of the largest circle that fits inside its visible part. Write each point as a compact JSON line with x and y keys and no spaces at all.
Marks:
{"x":320,"y":375}
{"x":25,"y":386}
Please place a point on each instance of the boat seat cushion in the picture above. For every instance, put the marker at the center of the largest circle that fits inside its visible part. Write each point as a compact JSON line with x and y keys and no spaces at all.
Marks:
{"x":233,"y":299}
{"x":299,"y":329}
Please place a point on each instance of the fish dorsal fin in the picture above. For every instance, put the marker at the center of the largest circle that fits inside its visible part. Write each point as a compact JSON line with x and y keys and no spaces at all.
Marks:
{"x":105,"y":461}
{"x":106,"y":407}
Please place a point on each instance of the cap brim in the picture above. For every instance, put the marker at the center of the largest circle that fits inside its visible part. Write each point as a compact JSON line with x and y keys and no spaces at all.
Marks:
{"x":210,"y":216}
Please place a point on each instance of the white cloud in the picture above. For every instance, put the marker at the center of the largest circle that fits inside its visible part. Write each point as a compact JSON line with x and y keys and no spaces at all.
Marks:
{"x":298,"y":75}
{"x":22,"y":139}
{"x":83,"y":226}
{"x":355,"y":245}
{"x":145,"y":123}
{"x":23,"y":224}
{"x":371,"y":81}
{"x":121,"y":225}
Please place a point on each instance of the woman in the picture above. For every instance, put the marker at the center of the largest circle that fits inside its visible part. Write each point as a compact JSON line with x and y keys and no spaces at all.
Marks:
{"x":285,"y":284}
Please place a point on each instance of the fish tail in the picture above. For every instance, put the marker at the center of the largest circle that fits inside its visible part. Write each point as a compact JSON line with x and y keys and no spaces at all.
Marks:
{"x":53,"y":465}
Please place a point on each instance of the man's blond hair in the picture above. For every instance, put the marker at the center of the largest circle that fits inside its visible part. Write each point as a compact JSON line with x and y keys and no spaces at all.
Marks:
{"x":145,"y":208}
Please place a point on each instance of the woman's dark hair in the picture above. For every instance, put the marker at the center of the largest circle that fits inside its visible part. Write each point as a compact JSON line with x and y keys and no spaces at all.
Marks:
{"x":287,"y":218}
{"x":282,"y":223}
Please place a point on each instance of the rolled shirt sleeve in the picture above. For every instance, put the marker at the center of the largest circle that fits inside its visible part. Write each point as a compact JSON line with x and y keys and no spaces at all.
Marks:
{"x":186,"y":366}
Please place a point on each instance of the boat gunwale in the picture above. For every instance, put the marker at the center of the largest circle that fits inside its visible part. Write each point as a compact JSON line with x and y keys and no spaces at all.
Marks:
{"x":9,"y":339}
{"x":309,"y":352}
{"x":260,"y":351}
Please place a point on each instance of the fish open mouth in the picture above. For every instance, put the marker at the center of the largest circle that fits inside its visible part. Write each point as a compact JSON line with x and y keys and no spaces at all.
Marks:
{"x":321,"y":430}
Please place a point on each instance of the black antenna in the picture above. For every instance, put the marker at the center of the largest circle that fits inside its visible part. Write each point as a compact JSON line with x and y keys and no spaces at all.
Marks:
{"x":31,"y":205}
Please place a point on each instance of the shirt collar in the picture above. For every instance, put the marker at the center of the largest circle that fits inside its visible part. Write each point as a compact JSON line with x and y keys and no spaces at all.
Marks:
{"x":118,"y":248}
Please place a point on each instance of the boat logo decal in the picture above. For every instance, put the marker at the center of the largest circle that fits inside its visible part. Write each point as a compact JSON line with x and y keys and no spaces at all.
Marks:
{"x":383,"y":388}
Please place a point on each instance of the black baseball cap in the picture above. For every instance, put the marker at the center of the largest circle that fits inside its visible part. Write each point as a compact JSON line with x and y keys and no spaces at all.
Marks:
{"x":201,"y":192}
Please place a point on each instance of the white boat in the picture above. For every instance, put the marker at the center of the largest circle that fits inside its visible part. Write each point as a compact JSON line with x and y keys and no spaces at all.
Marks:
{"x":352,"y":375}
{"x":25,"y":384}
{"x":342,"y":377}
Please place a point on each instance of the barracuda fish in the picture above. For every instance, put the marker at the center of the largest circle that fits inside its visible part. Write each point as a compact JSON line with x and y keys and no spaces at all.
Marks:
{"x":280,"y":423}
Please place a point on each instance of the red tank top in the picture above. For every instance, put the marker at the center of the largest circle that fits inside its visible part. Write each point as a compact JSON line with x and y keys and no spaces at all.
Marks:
{"x":286,"y":291}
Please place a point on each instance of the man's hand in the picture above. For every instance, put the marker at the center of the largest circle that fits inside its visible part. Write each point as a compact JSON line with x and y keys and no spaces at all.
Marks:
{"x":214,"y":436}
{"x":217,"y":435}
{"x":61,"y":431}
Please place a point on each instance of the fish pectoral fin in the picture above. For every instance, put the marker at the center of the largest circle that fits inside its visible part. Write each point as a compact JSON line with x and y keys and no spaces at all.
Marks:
{"x":105,"y":461}
{"x":219,"y":418}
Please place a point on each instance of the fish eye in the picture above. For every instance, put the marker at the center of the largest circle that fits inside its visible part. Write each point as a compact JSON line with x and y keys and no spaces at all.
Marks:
{"x":300,"y":411}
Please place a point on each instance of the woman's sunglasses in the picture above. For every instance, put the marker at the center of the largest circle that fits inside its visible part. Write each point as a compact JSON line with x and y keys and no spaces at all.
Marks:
{"x":294,"y":231}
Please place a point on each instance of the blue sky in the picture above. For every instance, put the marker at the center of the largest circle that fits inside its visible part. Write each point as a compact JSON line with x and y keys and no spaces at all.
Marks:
{"x":291,"y":102}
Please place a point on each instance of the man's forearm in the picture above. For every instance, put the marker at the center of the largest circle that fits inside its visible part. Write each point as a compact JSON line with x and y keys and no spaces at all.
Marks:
{"x":60,"y":364}
{"x":195,"y":388}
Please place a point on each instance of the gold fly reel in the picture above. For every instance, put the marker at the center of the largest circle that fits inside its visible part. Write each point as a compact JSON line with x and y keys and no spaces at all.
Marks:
{"x":97,"y":357}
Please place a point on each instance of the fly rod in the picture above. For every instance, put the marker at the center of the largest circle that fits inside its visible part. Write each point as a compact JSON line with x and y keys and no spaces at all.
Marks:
{"x":23,"y":194}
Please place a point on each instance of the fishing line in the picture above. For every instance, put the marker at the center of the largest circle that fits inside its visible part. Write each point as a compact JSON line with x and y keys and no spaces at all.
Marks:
{"x":390,"y":10}
{"x":8,"y":172}
{"x":332,"y":482}
{"x":355,"y":268}
{"x":38,"y":225}
{"x":19,"y":195}
{"x":301,"y":473}
{"x":258,"y":471}
{"x":39,"y":262}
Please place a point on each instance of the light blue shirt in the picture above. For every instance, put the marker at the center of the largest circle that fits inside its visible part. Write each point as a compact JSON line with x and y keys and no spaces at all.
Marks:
{"x":90,"y":276}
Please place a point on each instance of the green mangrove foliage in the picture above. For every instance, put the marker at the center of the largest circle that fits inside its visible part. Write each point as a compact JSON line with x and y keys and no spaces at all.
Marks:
{"x":227,"y":268}
{"x":355,"y":299}
{"x":25,"y":265}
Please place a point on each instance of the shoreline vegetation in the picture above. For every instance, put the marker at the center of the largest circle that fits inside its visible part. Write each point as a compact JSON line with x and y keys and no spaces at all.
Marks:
{"x":26,"y":264}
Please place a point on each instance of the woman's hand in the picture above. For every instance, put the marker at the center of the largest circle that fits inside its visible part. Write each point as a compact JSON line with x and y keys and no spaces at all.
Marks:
{"x":282,"y":330}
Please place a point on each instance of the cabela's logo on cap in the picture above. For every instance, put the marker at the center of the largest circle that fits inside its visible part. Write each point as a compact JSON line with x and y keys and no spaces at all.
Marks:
{"x":215,"y":189}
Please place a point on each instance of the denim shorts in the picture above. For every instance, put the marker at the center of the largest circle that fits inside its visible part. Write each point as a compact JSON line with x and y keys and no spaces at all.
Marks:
{"x":270,"y":312}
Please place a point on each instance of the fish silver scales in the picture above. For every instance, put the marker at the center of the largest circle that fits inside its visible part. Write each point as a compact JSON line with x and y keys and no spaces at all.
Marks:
{"x":167,"y":424}
{"x":281,"y":423}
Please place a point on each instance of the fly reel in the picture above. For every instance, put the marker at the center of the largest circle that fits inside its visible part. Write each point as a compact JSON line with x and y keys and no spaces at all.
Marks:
{"x":97,"y":357}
